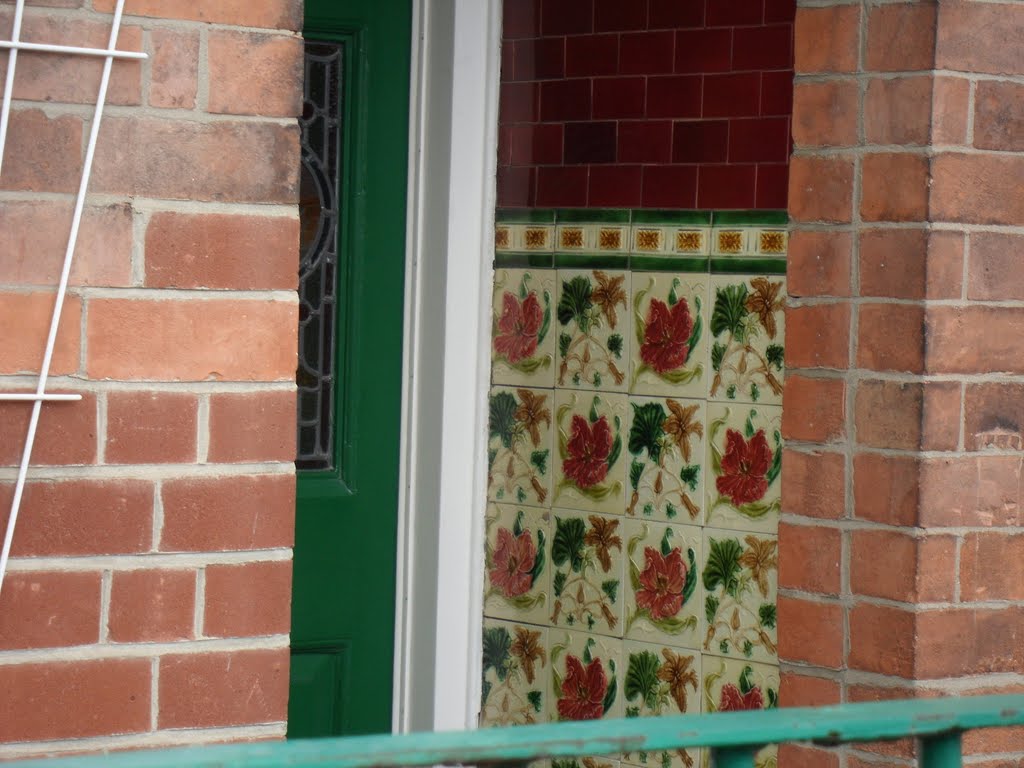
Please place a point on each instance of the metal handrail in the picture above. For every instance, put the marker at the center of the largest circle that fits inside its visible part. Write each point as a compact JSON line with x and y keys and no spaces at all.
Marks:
{"x":733,"y":737}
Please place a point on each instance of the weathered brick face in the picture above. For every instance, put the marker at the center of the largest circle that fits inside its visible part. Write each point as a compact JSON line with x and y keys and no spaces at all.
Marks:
{"x":149,"y":591}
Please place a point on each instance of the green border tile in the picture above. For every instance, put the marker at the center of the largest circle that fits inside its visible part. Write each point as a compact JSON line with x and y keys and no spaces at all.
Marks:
{"x":732,"y":266}
{"x":536,"y":259}
{"x":688,"y":264}
{"x":750,"y":218}
{"x":672,"y":218}
{"x":591,"y":261}
{"x":592,"y":216}
{"x":524,"y":216}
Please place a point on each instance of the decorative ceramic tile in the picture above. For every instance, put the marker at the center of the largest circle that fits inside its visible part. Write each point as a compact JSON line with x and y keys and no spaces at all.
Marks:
{"x":669,"y":322}
{"x":590,"y":468}
{"x":663,"y":596}
{"x":586,"y":676}
{"x":587,"y":572}
{"x":730,"y":242}
{"x":695,"y":241}
{"x":744,"y":463}
{"x":612,"y":238}
{"x":602,"y":238}
{"x":515,"y":671}
{"x":740,"y":575}
{"x":666,"y":451}
{"x":660,"y":680}
{"x":650,"y":238}
{"x":516,"y":563}
{"x":593,"y":329}
{"x":731,"y":685}
{"x":773,"y":242}
{"x":584,"y":762}
{"x":519,"y":446}
{"x":522,"y":334}
{"x":747,"y":328}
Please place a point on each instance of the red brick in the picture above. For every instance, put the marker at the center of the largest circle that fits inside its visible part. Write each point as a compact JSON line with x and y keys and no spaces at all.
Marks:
{"x":886,"y":489}
{"x":981,"y":37}
{"x":34,"y":236}
{"x":184,"y":160}
{"x":669,"y":186}
{"x":956,"y":642}
{"x":890,"y":337}
{"x":623,"y":97}
{"x":971,"y":491}
{"x":898,"y":111}
{"x":993,"y":416}
{"x":174,"y":71}
{"x":950,"y":107}
{"x":821,"y":189}
{"x":191,"y":340}
{"x":810,"y":558}
{"x":827,"y":39}
{"x":882,"y":640}
{"x":49,"y":610}
{"x":152,"y":606}
{"x":42,"y":154}
{"x":31,"y":313}
{"x":66,"y":432}
{"x":814,"y":409}
{"x":248,"y":600}
{"x":895,"y":187}
{"x":902,"y":748}
{"x":673,"y":96}
{"x":243,"y":64}
{"x":893,"y":263}
{"x":818,"y":336}
{"x":186,"y":250}
{"x":256,"y":426}
{"x":901,"y":38}
{"x":216,"y":689}
{"x":940,"y":416}
{"x":888,"y":414}
{"x":810,"y":632}
{"x":798,"y":690}
{"x":825,"y":114}
{"x":936,"y":581}
{"x":151,"y":427}
{"x":273,"y":14}
{"x":819,"y":263}
{"x":977,"y":189}
{"x":228,"y":513}
{"x":975,"y":339}
{"x":74,"y":699}
{"x":994,"y":273}
{"x":81,"y":517}
{"x":814,"y":484}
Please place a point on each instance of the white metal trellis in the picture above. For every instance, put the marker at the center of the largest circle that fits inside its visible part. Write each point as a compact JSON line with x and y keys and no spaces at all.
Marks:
{"x":109,"y":54}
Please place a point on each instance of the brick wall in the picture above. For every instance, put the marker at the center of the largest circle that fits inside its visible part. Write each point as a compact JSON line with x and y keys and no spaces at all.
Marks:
{"x":148,"y":598}
{"x":646,"y":103}
{"x":901,"y":545}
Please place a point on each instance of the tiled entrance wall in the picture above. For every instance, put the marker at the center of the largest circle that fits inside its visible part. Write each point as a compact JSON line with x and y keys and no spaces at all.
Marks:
{"x":645,"y":103}
{"x":634,"y":465}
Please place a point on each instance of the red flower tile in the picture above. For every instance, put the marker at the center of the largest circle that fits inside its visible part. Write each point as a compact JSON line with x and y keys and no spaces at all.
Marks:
{"x":670,"y":186}
{"x":700,"y":141}
{"x":673,"y":14}
{"x":520,"y":18}
{"x":726,"y":186}
{"x":515,"y":187}
{"x":646,"y":53}
{"x":763,"y":47}
{"x":619,"y":16}
{"x":540,"y":59}
{"x":616,"y":97}
{"x":536,"y":144}
{"x":588,"y":55}
{"x":674,"y":96}
{"x":703,"y":50}
{"x":567,"y":17}
{"x":565,"y":100}
{"x":615,"y":186}
{"x":764,"y":139}
{"x":733,"y":12}
{"x":518,"y":103}
{"x":732,"y":95}
{"x":589,"y":143}
{"x":777,"y":93}
{"x":772,"y":186}
{"x":645,"y":141}
{"x":562,"y":186}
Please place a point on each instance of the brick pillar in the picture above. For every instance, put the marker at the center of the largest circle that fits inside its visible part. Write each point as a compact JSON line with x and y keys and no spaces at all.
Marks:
{"x":901,"y":547}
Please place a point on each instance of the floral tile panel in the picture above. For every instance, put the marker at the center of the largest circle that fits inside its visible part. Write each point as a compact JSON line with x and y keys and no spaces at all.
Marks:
{"x":666,"y":453}
{"x":593,"y":329}
{"x":517,"y":563}
{"x":586,"y":572}
{"x":734,"y":686}
{"x":586,"y":676}
{"x":744,"y":462}
{"x":515,"y":673}
{"x":747,"y":330}
{"x":660,"y":680}
{"x":740,"y":575}
{"x":590,"y":465}
{"x":663,"y":597}
{"x":522,"y":334}
{"x":519,"y":445}
{"x":669,"y":354}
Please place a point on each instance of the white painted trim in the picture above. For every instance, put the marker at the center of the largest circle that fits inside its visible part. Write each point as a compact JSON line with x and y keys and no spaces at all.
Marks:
{"x":453,"y":157}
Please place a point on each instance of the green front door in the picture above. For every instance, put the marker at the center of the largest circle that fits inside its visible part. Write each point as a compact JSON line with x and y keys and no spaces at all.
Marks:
{"x":355,"y":133}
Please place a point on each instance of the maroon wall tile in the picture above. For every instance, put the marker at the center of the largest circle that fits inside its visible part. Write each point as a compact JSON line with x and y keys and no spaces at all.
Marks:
{"x":703,"y":50}
{"x":777,"y":93}
{"x":779,"y":10}
{"x":734,"y":12}
{"x":732,"y":95}
{"x":669,"y":186}
{"x":762,"y":47}
{"x":619,"y":16}
{"x":619,"y":97}
{"x":587,"y":55}
{"x":589,"y":143}
{"x":566,"y":17}
{"x":507,"y":60}
{"x":565,"y":100}
{"x":700,"y":141}
{"x":646,"y":53}
{"x":518,"y":103}
{"x":516,"y":187}
{"x":645,"y":141}
{"x":520,"y":18}
{"x":772,"y":186}
{"x":675,"y":14}
{"x":562,"y":186}
{"x":759,"y":140}
{"x":674,"y":96}
{"x":539,"y":58}
{"x":726,"y":186}
{"x":538,"y":144}
{"x":615,"y":186}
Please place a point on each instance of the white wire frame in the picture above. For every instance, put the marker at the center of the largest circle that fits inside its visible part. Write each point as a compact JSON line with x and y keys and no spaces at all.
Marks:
{"x":40,"y":395}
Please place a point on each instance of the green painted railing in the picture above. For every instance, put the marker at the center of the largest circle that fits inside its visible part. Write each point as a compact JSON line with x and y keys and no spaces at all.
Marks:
{"x":733,"y":738}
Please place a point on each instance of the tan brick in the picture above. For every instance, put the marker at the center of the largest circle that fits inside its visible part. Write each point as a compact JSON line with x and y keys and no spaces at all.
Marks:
{"x":814,"y":484}
{"x":74,"y":699}
{"x":901,"y":748}
{"x":945,"y":265}
{"x":820,"y":189}
{"x":222,"y":251}
{"x":827,"y":39}
{"x":171,"y":340}
{"x":810,"y":632}
{"x":49,"y":609}
{"x":994,"y":416}
{"x":936,"y":580}
{"x":950,"y":107}
{"x":272,"y":14}
{"x":151,"y":427}
{"x":885,"y":488}
{"x":898,"y":110}
{"x":810,"y":558}
{"x":954,"y":642}
{"x":243,"y":65}
{"x":819,"y":263}
{"x":882,"y":640}
{"x":977,"y":189}
{"x":825,"y":114}
{"x":975,"y":339}
{"x":818,"y":336}
{"x":890,"y":337}
{"x":66,"y":432}
{"x":972,"y":491}
{"x":895,"y":187}
{"x":153,"y":605}
{"x":884,"y":564}
{"x":901,"y":38}
{"x":42,"y":154}
{"x":256,"y":426}
{"x":994,"y":272}
{"x":941,"y":416}
{"x":796,"y":690}
{"x":981,"y":37}
{"x":30,"y":315}
{"x":801,"y":756}
{"x":174,"y":74}
{"x":893,"y":263}
{"x":814,"y":409}
{"x":999,"y":116}
{"x":217,"y":689}
{"x":888,"y":414}
{"x":248,"y":600}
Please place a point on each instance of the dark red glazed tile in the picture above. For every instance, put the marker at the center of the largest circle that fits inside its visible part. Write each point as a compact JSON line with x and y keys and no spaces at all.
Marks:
{"x":732,"y":95}
{"x":759,"y":140}
{"x":537,"y":144}
{"x":700,"y":141}
{"x":516,"y":187}
{"x":566,"y":17}
{"x":518,"y":103}
{"x":540,"y":58}
{"x":587,"y":55}
{"x":777,"y":93}
{"x":587,"y":143}
{"x":703,"y":50}
{"x":669,"y":186}
{"x":763,"y":47}
{"x":619,"y":16}
{"x":675,"y":14}
{"x":562,"y":186}
{"x":646,"y":53}
{"x":728,"y":13}
{"x":520,"y":18}
{"x":505,"y":144}
{"x":565,"y":100}
{"x":507,"y":61}
{"x":674,"y":96}
{"x":616,"y":186}
{"x":726,"y":186}
{"x":779,"y":10}
{"x":645,"y":141}
{"x":772,"y":186}
{"x":618,"y":97}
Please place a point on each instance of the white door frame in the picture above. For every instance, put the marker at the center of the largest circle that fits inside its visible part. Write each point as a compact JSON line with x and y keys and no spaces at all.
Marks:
{"x":453,"y":158}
